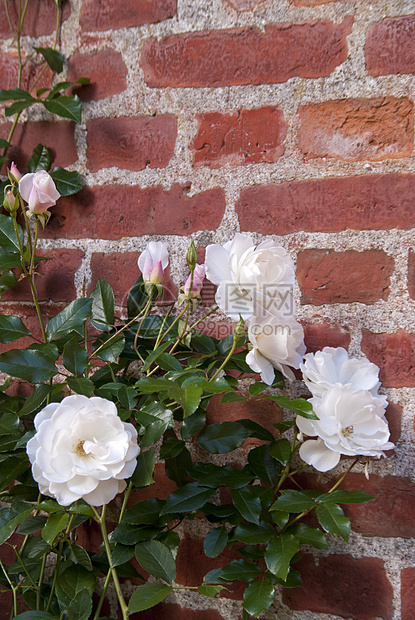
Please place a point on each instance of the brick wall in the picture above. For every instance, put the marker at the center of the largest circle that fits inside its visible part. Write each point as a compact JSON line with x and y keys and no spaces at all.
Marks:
{"x":290,"y":119}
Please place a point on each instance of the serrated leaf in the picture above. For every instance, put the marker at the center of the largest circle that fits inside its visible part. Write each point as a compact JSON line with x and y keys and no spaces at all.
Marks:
{"x":75,"y":357}
{"x":252,"y":534}
{"x":8,"y":238}
{"x":210,"y":591}
{"x":27,"y":364}
{"x":78,"y":555}
{"x":112,"y":347}
{"x":222,"y":437}
{"x":72,"y":317}
{"x":215,"y":541}
{"x":239,"y":570}
{"x":12,"y":328}
{"x":7,"y":281}
{"x":36,"y":615}
{"x":40,"y":159}
{"x":293,"y":501}
{"x":80,"y":607}
{"x":137,"y":298}
{"x":103,"y":304}
{"x":157,"y":559}
{"x":248,"y":504}
{"x":310,"y":536}
{"x":300,"y":406}
{"x":263,"y":465}
{"x":66,"y":107}
{"x":67,"y":183}
{"x":279,"y":553}
{"x":281,"y":450}
{"x":54,"y":58}
{"x":143,"y":474}
{"x":14,"y":93}
{"x":189,"y":498}
{"x":56,"y":523}
{"x":18,"y":106}
{"x":232,"y":397}
{"x":81,"y":385}
{"x":11,"y":518}
{"x":147,"y":596}
{"x":331,"y":518}
{"x":75,"y":579}
{"x":187,"y":397}
{"x":258,"y":596}
{"x":346,"y":497}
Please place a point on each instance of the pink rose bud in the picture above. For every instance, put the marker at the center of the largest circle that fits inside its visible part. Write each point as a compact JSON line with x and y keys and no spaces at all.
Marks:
{"x":15,"y":172}
{"x":11,"y":203}
{"x":198,"y":275}
{"x":39,"y":191}
{"x":156,"y":275}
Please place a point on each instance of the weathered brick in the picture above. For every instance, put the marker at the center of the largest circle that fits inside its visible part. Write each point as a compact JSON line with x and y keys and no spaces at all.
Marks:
{"x":161,"y":488}
{"x":356,"y":129}
{"x":9,"y":69}
{"x":394,"y":418}
{"x":121,"y":271}
{"x":40,"y":18}
{"x":242,"y":137}
{"x":57,"y":136}
{"x":131,"y":143}
{"x":339,"y":584}
{"x":262,"y":412}
{"x":148,"y":211}
{"x":109,"y":15}
{"x":373,"y":202}
{"x":55,"y":280}
{"x":395,"y":355}
{"x":106,"y":70}
{"x":408,"y":593}
{"x":311,"y":2}
{"x":390,"y":46}
{"x":411,"y":274}
{"x":319,"y":335}
{"x":246,"y":55}
{"x":328,"y":277}
{"x":244,"y":5}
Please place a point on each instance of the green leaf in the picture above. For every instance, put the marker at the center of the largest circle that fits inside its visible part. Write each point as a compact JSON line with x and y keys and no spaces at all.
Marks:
{"x":281,"y":450}
{"x":346,"y":497}
{"x":54,"y":58}
{"x":80,"y":607}
{"x":293,"y":501}
{"x":8,"y":238}
{"x":72,"y":317}
{"x":81,"y":385}
{"x":193,"y":424}
{"x":67,"y":183}
{"x":232,"y":397}
{"x":40,"y":159}
{"x":258,"y":596}
{"x":19,"y":106}
{"x":66,"y":107}
{"x":75,"y":357}
{"x":309,"y":536}
{"x":251,"y":534}
{"x":222,"y":437}
{"x":215,"y":541}
{"x":211,"y":475}
{"x":56,"y":523}
{"x":300,"y":406}
{"x":152,"y":357}
{"x":239,"y":570}
{"x":103,"y":304}
{"x":12,"y":328}
{"x":147,"y":596}
{"x":279,"y":554}
{"x":256,"y":430}
{"x":122,"y":554}
{"x":263,"y":465}
{"x":15,"y":93}
{"x":32,"y":525}
{"x":78,"y":555}
{"x":27,"y":364}
{"x":168,"y":362}
{"x":9,"y":260}
{"x":11,"y":518}
{"x":7,"y":281}
{"x":143,"y":474}
{"x":189,"y":498}
{"x":9,"y":424}
{"x":171,"y":446}
{"x":137,"y":298}
{"x":75,"y":579}
{"x":176,"y":468}
{"x":210,"y":591}
{"x":248,"y":504}
{"x":257,"y":388}
{"x":157,"y":559}
{"x":331,"y":518}
{"x":111,"y":350}
{"x":36,"y":615}
{"x":187,"y":397}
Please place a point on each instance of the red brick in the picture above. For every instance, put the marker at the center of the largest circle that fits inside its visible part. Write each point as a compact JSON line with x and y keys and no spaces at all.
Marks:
{"x":131,"y":143}
{"x":394,"y":418}
{"x":106,"y":70}
{"x":55,"y":281}
{"x":356,"y":129}
{"x":9,"y":68}
{"x":311,"y":2}
{"x":408,"y":593}
{"x":390,"y":46}
{"x":121,"y":271}
{"x":246,"y":55}
{"x":169,"y":611}
{"x":319,"y":335}
{"x":395,"y":355}
{"x":411,"y":274}
{"x":111,"y":15}
{"x":328,"y":277}
{"x":339,"y":584}
{"x":244,"y":5}
{"x":40,"y":18}
{"x":242,"y":137}
{"x":147,"y":211}
{"x":161,"y":488}
{"x":373,"y":202}
{"x":263,"y":412}
{"x":27,"y":313}
{"x":57,"y":136}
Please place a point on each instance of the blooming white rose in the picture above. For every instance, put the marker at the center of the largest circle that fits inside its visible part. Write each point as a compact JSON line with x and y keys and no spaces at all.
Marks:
{"x":82,"y":449}
{"x":248,"y":276}
{"x":276,"y":344}
{"x":350,"y":422}
{"x":325,"y":368}
{"x":153,"y":261}
{"x":39,"y":191}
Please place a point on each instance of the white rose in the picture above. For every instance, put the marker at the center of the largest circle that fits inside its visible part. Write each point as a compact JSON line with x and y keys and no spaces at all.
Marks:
{"x":82,"y":449}
{"x":350,"y":422}
{"x":276,"y":344}
{"x":248,"y":276}
{"x":39,"y":191}
{"x":325,"y":368}
{"x":153,"y":261}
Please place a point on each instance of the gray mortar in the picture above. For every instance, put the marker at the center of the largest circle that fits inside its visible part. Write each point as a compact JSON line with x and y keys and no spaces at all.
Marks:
{"x":349,"y":80}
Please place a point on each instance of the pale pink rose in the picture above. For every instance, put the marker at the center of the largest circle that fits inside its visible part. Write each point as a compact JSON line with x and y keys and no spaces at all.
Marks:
{"x":39,"y":191}
{"x":198,"y":275}
{"x":153,"y":261}
{"x":15,"y":172}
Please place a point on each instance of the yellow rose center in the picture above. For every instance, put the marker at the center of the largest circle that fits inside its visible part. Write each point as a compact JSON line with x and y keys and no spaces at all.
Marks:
{"x":80,"y":448}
